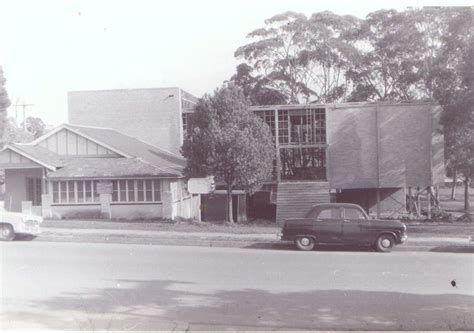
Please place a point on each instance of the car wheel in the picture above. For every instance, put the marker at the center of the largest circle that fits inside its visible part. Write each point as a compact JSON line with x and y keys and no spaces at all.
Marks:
{"x":304,"y":243}
{"x":6,"y":232}
{"x":385,"y":243}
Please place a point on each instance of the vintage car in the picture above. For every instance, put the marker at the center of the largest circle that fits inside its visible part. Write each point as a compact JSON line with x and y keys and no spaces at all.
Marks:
{"x":344,"y":224}
{"x":12,"y":223}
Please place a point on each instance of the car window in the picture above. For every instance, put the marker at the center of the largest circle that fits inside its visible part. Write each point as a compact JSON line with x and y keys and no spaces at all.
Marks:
{"x":329,"y":214}
{"x":313,"y":213}
{"x":353,"y":214}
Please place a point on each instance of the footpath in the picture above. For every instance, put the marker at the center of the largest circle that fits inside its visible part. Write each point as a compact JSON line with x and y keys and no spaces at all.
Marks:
{"x":439,"y":237}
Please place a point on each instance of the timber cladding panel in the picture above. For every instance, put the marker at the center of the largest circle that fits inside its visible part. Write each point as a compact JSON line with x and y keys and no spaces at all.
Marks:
{"x":68,"y":143}
{"x":10,"y":158}
{"x":294,"y":199}
{"x":352,"y":147}
{"x":385,"y":145}
{"x":152,"y":115}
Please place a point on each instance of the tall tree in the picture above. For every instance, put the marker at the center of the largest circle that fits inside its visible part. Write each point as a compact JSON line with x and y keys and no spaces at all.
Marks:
{"x":329,"y":50}
{"x":388,"y":66}
{"x":229,"y":142}
{"x":302,"y":59}
{"x":453,"y":87}
{"x":35,"y":126}
{"x":4,"y":104}
{"x":274,"y":55}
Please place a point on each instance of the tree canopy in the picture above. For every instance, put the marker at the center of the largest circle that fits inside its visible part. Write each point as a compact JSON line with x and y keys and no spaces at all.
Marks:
{"x":229,"y":142}
{"x":4,"y":104}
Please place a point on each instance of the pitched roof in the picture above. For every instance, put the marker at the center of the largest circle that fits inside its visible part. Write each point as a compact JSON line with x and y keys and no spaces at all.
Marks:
{"x":110,"y":168}
{"x":132,"y":146}
{"x":38,"y":154}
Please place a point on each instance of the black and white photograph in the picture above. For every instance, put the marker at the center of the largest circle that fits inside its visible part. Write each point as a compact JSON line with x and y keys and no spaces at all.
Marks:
{"x":252,"y":165}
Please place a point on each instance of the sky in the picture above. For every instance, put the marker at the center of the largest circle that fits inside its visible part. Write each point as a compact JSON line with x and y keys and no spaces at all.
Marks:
{"x":50,"y":47}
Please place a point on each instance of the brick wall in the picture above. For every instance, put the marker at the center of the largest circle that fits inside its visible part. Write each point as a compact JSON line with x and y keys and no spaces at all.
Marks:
{"x":152,"y":115}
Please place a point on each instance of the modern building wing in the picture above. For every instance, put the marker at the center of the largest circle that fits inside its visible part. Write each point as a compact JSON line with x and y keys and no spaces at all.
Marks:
{"x":366,"y":153}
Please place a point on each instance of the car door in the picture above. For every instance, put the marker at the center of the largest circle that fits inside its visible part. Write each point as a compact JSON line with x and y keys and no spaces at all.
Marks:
{"x":352,"y":225}
{"x":328,"y":225}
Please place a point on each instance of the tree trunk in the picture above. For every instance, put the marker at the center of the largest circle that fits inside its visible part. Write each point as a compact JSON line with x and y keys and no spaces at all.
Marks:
{"x":229,"y":204}
{"x":466,"y":193}
{"x":453,"y":187}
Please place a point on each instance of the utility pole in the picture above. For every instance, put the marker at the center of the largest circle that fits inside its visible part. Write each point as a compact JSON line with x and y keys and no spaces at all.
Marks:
{"x":24,"y":106}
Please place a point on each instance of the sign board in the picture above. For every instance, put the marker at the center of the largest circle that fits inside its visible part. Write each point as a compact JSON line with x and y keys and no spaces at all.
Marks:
{"x":201,"y":185}
{"x":104,"y":187}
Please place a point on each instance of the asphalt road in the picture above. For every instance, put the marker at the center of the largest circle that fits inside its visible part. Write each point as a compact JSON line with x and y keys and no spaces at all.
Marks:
{"x":85,"y":286}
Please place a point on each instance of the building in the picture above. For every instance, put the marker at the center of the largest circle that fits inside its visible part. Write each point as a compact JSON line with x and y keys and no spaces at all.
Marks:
{"x":364,"y":153}
{"x":155,"y":115}
{"x":90,"y":172}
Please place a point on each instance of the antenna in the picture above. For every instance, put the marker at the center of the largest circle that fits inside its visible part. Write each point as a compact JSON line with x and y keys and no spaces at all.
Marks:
{"x":24,"y":106}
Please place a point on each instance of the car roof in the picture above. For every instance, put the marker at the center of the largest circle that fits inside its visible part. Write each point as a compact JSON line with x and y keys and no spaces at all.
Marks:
{"x":336,"y":205}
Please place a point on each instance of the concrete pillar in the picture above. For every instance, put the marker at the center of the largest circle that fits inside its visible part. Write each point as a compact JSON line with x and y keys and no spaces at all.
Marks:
{"x":27,"y":207}
{"x":46,"y":201}
{"x":167,"y":199}
{"x":105,"y":210}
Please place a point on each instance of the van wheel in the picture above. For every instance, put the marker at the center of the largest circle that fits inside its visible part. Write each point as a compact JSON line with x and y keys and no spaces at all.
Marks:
{"x":385,"y":243}
{"x":6,"y":232}
{"x":304,"y":243}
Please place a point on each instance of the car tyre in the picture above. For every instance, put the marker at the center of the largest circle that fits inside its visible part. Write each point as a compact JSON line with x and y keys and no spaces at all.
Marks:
{"x":6,"y":232}
{"x":385,"y":243}
{"x":304,"y":243}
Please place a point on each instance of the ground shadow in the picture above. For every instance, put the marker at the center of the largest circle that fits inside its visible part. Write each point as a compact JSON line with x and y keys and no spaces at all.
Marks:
{"x":454,"y":249}
{"x":179,"y":305}
{"x":24,"y":237}
{"x":287,"y":246}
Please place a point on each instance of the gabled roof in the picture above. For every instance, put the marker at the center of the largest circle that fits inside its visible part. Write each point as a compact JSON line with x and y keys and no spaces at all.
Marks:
{"x":110,"y":168}
{"x":40,"y":155}
{"x":139,"y":157}
{"x":131,"y":146}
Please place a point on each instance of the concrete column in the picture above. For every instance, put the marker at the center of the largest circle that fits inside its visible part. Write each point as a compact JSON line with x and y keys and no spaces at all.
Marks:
{"x":26,"y":207}
{"x":105,"y":210}
{"x":46,"y":200}
{"x":167,"y":199}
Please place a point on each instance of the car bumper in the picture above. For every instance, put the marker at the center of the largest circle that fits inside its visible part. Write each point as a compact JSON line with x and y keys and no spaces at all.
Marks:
{"x":403,"y":238}
{"x":29,"y":228}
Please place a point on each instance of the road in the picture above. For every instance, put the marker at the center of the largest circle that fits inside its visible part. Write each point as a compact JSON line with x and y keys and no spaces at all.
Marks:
{"x":86,"y":286}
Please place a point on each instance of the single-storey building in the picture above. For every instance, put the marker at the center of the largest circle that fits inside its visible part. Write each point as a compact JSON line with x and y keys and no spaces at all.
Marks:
{"x":81,"y":171}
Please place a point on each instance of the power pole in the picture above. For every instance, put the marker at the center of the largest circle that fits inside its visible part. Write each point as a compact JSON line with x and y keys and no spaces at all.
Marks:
{"x":24,"y":106}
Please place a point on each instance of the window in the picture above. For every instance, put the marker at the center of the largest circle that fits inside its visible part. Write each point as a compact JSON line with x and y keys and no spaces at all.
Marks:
{"x":75,"y":191}
{"x":329,"y":214}
{"x":141,"y":190}
{"x":353,"y":214}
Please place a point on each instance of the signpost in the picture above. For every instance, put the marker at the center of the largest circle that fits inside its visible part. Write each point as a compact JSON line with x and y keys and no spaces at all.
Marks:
{"x":201,"y":185}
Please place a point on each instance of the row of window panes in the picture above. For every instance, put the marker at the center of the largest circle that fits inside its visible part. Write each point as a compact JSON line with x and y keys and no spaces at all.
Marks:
{"x":144,"y":190}
{"x":73,"y":191}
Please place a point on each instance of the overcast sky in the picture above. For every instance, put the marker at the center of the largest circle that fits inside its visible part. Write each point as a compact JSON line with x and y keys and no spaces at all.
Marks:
{"x":50,"y":47}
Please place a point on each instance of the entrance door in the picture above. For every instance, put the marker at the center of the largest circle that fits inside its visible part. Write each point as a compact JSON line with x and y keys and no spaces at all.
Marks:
{"x":34,"y":190}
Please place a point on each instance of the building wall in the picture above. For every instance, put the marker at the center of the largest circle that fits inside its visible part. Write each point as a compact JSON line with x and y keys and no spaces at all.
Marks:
{"x":392,"y":200}
{"x":152,"y":115}
{"x":90,"y":211}
{"x":15,"y":186}
{"x":137,"y":211}
{"x":389,"y":145}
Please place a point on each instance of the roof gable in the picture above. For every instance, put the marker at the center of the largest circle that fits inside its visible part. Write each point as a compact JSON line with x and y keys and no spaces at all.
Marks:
{"x":28,"y":155}
{"x":66,"y":140}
